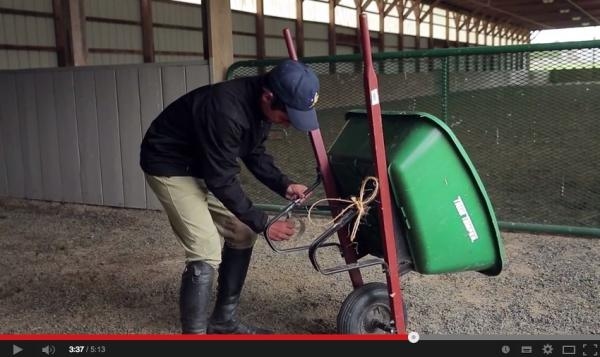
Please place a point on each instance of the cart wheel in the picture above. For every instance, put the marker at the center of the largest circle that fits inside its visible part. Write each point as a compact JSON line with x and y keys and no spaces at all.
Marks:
{"x":366,"y":311}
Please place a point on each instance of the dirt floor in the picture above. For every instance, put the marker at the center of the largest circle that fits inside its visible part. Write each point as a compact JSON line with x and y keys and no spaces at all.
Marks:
{"x":81,"y":269}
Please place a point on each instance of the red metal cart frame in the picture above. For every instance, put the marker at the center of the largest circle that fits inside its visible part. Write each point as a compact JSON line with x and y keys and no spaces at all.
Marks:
{"x":385,"y":215}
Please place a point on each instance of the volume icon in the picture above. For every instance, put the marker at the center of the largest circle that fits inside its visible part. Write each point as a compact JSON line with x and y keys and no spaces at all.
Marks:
{"x":48,"y":349}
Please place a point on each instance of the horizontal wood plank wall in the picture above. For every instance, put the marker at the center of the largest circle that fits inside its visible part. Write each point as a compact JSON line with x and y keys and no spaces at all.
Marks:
{"x":27,"y":38}
{"x":74,"y":134}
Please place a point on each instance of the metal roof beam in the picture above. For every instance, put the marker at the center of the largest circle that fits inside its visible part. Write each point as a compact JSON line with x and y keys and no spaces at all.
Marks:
{"x":431,"y":6}
{"x":390,"y":7}
{"x":516,"y":16}
{"x":593,"y":18}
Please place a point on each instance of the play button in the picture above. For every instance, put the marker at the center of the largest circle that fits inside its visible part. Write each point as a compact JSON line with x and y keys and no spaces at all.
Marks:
{"x":16,"y":349}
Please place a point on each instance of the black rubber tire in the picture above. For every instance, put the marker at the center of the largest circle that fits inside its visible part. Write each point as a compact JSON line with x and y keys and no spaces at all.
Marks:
{"x":366,"y":311}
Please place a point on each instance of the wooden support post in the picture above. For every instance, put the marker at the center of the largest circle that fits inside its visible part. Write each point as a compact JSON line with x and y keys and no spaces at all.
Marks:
{"x":359,"y":9}
{"x":381,"y":9}
{"x":299,"y":28}
{"x":417,"y":10}
{"x":60,"y":33}
{"x":332,"y":42}
{"x":75,"y":21}
{"x":447,"y":29}
{"x":400,"y":9}
{"x":147,"y":30}
{"x":260,"y":30}
{"x":220,"y":38}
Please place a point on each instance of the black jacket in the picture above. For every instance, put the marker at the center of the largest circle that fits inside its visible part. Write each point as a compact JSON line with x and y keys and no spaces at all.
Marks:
{"x":204,"y":132}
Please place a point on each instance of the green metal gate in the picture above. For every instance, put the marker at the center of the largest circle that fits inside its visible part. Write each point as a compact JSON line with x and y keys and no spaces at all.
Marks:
{"x":528,"y":116}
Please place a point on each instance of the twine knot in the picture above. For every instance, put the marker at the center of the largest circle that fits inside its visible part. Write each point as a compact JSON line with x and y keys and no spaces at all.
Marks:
{"x":360,"y":203}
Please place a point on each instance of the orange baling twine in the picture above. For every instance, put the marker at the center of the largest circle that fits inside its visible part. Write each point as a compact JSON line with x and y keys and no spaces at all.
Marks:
{"x":360,"y":203}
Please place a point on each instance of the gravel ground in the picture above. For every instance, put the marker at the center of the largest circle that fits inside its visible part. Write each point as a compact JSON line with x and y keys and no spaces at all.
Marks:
{"x":83,"y":269}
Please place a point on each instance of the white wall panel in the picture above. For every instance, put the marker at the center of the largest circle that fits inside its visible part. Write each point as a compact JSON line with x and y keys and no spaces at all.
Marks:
{"x":32,"y":5}
{"x":316,"y":30}
{"x":196,"y":76}
{"x":244,"y":45}
{"x":73,"y":134}
{"x":344,"y":50}
{"x":96,"y":59}
{"x":3,"y":32}
{"x":10,"y":136}
{"x":16,"y":59}
{"x":20,"y":30}
{"x":7,"y":22}
{"x":175,"y":58}
{"x":48,"y":135}
{"x":102,"y":35}
{"x":68,"y":142}
{"x":35,"y":60}
{"x":176,"y":14}
{"x":9,"y":62}
{"x":166,"y":39}
{"x":275,"y":47}
{"x":345,"y":30}
{"x":26,"y":31}
{"x":3,"y":171}
{"x":409,"y":41}
{"x":45,"y":31}
{"x":243,"y":22}
{"x":130,"y":129}
{"x":109,"y":137}
{"x":173,"y":83}
{"x":87,"y":134}
{"x":113,"y":9}
{"x":119,"y":36}
{"x":274,"y":26}
{"x":390,"y":40}
{"x":29,"y":131}
{"x":151,"y":103}
{"x":30,"y":31}
{"x":316,"y":48}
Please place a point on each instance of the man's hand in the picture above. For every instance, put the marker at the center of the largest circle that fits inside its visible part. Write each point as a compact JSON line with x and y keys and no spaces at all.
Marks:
{"x":295,"y":191}
{"x":281,"y":230}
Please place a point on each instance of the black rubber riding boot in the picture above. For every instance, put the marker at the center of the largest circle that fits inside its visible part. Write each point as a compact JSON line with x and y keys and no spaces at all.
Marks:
{"x":194,"y":296}
{"x":232,"y":274}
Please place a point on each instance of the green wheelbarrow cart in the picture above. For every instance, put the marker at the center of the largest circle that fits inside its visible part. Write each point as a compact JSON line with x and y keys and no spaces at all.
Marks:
{"x":429,"y":211}
{"x":444,"y":220}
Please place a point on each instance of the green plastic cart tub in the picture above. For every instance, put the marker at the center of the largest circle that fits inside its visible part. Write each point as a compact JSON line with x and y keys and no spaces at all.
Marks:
{"x":444,"y":217}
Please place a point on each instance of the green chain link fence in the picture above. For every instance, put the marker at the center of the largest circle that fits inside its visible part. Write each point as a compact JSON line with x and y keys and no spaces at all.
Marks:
{"x":528,"y":116}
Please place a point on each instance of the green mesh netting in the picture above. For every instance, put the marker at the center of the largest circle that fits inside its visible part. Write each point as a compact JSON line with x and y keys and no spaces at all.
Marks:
{"x":528,"y":120}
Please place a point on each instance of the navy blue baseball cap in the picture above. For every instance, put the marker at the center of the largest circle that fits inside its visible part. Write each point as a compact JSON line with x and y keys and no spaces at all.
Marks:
{"x":297,"y":86}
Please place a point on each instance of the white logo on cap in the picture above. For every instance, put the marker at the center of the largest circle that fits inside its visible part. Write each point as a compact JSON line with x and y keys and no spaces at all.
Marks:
{"x":314,"y":100}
